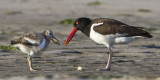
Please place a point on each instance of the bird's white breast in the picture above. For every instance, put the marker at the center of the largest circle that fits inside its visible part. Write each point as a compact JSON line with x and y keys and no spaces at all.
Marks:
{"x":99,"y":38}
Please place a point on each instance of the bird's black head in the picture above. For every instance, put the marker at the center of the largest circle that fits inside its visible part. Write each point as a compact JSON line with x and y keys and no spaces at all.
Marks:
{"x":82,"y":23}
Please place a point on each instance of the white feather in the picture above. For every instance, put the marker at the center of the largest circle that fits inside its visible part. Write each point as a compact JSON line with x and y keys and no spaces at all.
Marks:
{"x":96,"y":24}
{"x":120,"y":35}
{"x":23,"y":48}
{"x":31,"y":41}
{"x":124,"y":40}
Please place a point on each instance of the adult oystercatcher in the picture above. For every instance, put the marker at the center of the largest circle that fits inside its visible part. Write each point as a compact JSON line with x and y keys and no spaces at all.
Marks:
{"x":33,"y":42}
{"x":108,"y":32}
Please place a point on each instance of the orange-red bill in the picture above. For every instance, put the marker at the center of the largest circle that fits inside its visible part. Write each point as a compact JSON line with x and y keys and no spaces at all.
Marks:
{"x":71,"y":35}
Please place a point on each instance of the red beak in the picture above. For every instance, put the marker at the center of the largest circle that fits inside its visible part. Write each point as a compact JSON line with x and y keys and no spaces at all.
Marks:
{"x":71,"y":35}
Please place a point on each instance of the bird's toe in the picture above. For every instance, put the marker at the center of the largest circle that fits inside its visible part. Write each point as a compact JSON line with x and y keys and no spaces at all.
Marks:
{"x":33,"y":70}
{"x":103,"y":69}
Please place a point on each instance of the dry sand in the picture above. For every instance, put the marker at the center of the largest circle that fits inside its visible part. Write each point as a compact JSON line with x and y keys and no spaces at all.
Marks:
{"x":139,"y":60}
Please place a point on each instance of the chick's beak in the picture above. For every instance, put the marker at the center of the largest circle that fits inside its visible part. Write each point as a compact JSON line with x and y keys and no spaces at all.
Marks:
{"x":56,"y":41}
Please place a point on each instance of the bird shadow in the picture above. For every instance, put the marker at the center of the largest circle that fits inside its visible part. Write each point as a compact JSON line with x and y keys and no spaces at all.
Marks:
{"x":150,"y":46}
{"x":121,"y":61}
{"x":1,"y":50}
{"x":71,"y":51}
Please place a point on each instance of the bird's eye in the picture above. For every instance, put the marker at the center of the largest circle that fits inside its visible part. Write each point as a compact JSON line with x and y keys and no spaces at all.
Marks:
{"x":77,"y":23}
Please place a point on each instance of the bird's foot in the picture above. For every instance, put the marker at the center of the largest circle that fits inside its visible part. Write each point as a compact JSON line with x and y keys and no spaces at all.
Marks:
{"x":106,"y":69}
{"x":33,"y":70}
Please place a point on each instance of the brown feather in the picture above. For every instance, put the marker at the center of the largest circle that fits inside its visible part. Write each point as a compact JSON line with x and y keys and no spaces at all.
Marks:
{"x":111,"y":26}
{"x":32,"y":36}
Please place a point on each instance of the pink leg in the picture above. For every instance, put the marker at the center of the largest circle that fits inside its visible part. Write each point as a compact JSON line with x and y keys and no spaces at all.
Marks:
{"x":108,"y":66}
{"x":109,"y":61}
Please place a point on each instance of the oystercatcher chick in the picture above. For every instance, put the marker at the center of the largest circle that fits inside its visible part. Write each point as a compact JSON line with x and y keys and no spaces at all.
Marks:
{"x":108,"y":32}
{"x":32,"y":43}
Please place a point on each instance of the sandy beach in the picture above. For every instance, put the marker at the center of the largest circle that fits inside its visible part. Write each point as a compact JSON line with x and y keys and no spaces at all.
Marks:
{"x":139,"y":60}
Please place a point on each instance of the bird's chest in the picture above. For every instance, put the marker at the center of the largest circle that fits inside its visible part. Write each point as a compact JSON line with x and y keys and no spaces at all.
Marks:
{"x":102,"y":39}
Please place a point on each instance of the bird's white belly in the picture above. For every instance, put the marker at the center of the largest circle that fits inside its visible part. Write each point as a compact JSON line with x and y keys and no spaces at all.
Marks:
{"x":125,"y":40}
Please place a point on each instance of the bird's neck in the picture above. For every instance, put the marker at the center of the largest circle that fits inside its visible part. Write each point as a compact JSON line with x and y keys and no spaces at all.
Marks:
{"x":47,"y":38}
{"x":86,"y":30}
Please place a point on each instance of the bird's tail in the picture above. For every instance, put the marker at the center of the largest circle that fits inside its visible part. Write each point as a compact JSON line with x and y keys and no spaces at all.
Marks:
{"x":146,"y":34}
{"x":143,"y":32}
